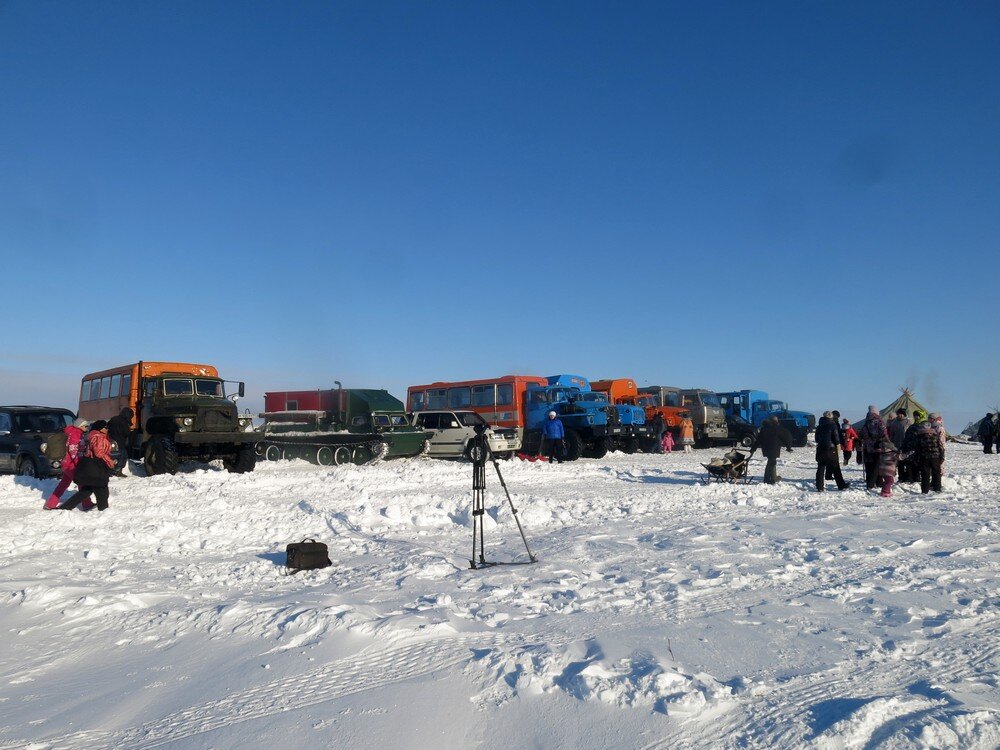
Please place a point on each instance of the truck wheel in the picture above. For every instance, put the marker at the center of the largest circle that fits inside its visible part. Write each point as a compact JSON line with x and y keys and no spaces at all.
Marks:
{"x":341,"y":455}
{"x":272,"y":452}
{"x":630,"y":446}
{"x":600,"y":449}
{"x":361,"y":455}
{"x":259,"y":449}
{"x":324,"y":456}
{"x":26,"y":467}
{"x":746,"y":441}
{"x":574,"y":445}
{"x":505,"y":455}
{"x":161,"y":456}
{"x":244,"y":461}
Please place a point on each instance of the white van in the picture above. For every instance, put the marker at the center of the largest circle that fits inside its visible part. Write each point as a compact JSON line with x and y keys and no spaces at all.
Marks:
{"x":454,"y":430}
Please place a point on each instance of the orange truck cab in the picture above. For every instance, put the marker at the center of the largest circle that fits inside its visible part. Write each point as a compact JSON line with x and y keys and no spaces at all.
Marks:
{"x":625,"y":391}
{"x":180,"y":410}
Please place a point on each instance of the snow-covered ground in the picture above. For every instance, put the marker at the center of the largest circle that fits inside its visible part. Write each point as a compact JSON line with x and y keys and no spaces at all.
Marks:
{"x":663,"y":612}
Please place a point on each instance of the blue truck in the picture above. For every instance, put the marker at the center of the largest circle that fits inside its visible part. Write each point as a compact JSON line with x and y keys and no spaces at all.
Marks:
{"x":593,"y":424}
{"x":756,"y":406}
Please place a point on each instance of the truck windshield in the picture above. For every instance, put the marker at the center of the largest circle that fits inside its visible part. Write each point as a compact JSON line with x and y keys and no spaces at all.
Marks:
{"x":776,"y":406}
{"x":646,"y":401}
{"x":601,"y":398}
{"x":391,"y":420}
{"x":187,"y":387}
{"x":710,"y":399}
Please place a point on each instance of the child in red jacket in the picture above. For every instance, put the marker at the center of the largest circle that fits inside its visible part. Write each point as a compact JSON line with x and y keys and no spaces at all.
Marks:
{"x":94,"y":469}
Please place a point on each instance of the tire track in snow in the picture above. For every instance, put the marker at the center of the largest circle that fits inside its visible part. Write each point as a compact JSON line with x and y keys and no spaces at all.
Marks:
{"x":340,"y":678}
{"x":781,"y":719}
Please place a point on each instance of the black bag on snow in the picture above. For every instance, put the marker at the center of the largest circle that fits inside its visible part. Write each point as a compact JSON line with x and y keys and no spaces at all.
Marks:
{"x":306,"y":555}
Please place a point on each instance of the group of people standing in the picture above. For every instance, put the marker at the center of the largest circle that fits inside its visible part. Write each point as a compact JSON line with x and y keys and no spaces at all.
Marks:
{"x":89,"y":463}
{"x":913,"y":451}
{"x":989,"y":432}
{"x":889,"y":449}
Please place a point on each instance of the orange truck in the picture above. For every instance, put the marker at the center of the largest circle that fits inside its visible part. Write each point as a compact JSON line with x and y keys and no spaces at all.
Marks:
{"x":625,"y":391}
{"x":180,"y":411}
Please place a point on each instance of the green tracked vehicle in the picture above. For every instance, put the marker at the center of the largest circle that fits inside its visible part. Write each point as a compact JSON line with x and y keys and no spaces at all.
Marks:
{"x":337,"y":426}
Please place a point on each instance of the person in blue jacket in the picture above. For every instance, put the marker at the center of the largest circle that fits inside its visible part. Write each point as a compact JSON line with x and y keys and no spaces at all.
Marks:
{"x":554,"y":435}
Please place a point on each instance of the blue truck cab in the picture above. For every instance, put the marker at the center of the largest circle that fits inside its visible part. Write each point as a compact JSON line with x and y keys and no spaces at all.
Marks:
{"x":593,"y":425}
{"x":756,"y":406}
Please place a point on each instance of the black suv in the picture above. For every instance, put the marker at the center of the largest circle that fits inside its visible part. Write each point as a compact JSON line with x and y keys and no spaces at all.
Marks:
{"x":741,"y":432}
{"x":23,"y":429}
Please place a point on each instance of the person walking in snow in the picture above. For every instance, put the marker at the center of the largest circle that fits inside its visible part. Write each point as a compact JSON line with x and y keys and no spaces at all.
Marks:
{"x":120,"y":431}
{"x":908,"y":469}
{"x":872,"y":434}
{"x":687,"y":434}
{"x":554,"y":435}
{"x":888,"y":457}
{"x":667,"y":442}
{"x":770,"y":439}
{"x":93,"y":470}
{"x":74,"y":434}
{"x":827,"y":440}
{"x":937,"y":423}
{"x":985,"y":433}
{"x":658,"y":427}
{"x":849,"y":436}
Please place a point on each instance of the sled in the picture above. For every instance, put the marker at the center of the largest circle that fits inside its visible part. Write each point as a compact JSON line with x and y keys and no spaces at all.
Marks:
{"x":732,"y":468}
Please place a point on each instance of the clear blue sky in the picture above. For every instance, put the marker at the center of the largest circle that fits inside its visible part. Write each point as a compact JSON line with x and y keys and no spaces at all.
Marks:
{"x":801,"y":197}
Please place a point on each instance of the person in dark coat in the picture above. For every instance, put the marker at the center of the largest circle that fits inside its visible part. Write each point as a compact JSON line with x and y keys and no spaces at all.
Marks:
{"x":986,"y":433}
{"x":120,"y":431}
{"x":908,"y":470}
{"x":873,"y":432}
{"x":840,"y":441}
{"x":827,"y":442}
{"x":897,"y":434}
{"x":658,"y":428}
{"x":770,"y":439}
{"x":928,"y":457}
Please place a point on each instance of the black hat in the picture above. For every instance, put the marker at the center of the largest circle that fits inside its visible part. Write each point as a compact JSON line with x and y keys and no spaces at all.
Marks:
{"x":100,"y":424}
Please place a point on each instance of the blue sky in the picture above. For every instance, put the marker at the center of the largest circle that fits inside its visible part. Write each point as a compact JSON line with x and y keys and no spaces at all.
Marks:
{"x":798,"y":197}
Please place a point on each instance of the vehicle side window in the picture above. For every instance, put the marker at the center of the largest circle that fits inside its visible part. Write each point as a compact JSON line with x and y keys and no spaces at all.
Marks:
{"x":85,"y":391}
{"x":150,"y":387}
{"x":382,"y":420}
{"x":448,"y":421}
{"x":505,"y":394}
{"x":483,"y":395}
{"x":116,"y":385}
{"x":291,"y":405}
{"x":127,"y":384}
{"x":436,"y":399}
{"x":430,"y":421}
{"x":459,"y":397}
{"x":4,"y":422}
{"x":105,"y":386}
{"x":418,"y":400}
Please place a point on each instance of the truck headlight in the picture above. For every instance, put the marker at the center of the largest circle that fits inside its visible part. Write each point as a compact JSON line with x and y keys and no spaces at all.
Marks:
{"x":184,"y":423}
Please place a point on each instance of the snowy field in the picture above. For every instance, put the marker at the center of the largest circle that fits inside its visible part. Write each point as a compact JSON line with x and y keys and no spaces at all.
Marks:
{"x":663,"y":612}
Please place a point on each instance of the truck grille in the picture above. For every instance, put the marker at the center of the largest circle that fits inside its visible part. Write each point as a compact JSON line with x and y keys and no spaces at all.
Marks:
{"x":215,"y":420}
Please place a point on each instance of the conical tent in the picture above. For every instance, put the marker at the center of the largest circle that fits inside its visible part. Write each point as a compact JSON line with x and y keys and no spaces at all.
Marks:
{"x":905,"y":401}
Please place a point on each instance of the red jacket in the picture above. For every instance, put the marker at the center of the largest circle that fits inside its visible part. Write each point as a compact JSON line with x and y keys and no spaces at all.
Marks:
{"x":73,"y":437}
{"x":849,"y":437}
{"x":99,"y":446}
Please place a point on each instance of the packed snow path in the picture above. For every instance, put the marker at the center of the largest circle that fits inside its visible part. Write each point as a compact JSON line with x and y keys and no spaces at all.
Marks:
{"x":663,"y":612}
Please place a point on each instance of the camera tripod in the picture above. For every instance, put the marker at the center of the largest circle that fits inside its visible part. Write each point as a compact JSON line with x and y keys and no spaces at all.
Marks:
{"x":480,"y":453}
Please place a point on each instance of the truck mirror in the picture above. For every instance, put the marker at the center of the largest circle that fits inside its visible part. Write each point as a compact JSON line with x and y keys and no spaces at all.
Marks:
{"x":242,"y":390}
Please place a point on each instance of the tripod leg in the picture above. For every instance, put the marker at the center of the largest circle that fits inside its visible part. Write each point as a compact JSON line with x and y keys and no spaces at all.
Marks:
{"x":513,"y":509}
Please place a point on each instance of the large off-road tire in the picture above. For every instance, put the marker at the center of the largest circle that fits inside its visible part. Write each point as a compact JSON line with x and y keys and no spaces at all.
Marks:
{"x":599,"y":449}
{"x":574,"y":445}
{"x":630,"y":446}
{"x":161,"y":456}
{"x":273,"y":452}
{"x":746,"y":441}
{"x":244,"y":461}
{"x":361,"y":455}
{"x":26,"y":467}
{"x":341,"y":455}
{"x":324,"y":455}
